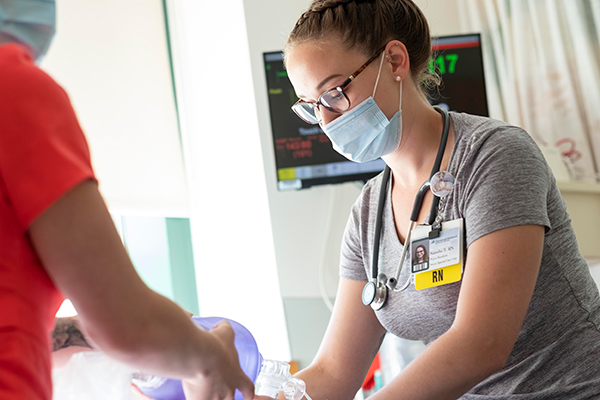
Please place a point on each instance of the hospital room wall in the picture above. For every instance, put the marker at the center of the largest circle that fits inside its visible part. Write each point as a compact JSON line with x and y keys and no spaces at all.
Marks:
{"x":307,"y":225}
{"x":105,"y":65}
{"x":131,"y":128}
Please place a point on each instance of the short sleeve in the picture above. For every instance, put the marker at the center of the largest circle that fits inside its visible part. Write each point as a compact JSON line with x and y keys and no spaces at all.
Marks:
{"x":351,"y":255}
{"x":505,"y":183}
{"x":43,"y":152}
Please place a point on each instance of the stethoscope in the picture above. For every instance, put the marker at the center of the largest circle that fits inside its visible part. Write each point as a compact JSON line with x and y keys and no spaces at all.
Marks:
{"x":375,"y":292}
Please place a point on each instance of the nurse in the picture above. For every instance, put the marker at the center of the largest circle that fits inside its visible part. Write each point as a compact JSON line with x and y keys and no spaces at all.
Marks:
{"x":520,"y":313}
{"x":57,"y":239}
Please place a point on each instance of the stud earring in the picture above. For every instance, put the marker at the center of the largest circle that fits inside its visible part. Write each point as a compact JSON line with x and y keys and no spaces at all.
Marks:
{"x":398,"y":79}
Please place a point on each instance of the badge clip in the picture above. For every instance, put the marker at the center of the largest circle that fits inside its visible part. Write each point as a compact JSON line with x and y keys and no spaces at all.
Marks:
{"x":434,"y":233}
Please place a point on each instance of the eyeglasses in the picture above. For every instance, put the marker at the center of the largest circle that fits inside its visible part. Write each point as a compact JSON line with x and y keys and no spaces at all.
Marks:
{"x":334,"y":100}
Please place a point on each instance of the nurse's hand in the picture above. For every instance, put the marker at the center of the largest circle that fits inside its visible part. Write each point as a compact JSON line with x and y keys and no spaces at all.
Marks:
{"x":223,"y":373}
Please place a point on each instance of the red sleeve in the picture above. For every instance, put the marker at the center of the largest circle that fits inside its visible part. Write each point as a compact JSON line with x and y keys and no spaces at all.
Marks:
{"x":43,"y":152}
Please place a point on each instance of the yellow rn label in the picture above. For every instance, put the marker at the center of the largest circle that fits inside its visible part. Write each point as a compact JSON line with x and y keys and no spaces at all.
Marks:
{"x":438,"y":277}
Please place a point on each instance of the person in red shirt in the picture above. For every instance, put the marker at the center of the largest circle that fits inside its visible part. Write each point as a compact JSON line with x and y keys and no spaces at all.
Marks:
{"x":57,"y":239}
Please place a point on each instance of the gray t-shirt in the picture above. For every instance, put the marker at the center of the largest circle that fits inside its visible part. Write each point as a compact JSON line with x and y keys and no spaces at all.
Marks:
{"x":502,"y":180}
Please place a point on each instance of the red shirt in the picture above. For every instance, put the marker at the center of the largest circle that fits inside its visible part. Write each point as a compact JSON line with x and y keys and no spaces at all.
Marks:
{"x":43,"y":154}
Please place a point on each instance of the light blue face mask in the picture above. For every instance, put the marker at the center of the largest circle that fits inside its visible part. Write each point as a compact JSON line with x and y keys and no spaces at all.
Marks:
{"x":31,"y":23}
{"x":364,"y":133}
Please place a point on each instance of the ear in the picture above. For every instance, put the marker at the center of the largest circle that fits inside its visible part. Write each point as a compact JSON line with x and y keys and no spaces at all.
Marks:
{"x":397,"y":56}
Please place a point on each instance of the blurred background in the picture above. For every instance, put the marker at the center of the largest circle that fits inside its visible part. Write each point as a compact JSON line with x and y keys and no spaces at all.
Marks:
{"x":174,"y":98}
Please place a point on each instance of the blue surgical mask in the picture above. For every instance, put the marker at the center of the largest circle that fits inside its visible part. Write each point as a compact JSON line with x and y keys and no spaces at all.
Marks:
{"x":31,"y":23}
{"x":364,"y":133}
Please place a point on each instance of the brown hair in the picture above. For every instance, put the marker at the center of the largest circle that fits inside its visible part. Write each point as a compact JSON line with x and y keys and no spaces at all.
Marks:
{"x":366,"y":26}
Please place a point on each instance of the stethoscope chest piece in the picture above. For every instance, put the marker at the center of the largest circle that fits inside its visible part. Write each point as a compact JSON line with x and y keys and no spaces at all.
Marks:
{"x":441,"y":183}
{"x":374,"y":294}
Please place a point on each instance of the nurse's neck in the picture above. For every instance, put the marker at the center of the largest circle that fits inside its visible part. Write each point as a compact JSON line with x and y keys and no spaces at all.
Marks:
{"x":422,"y":127}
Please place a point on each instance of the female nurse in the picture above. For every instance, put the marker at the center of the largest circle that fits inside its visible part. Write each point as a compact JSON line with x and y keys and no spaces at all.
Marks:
{"x":57,"y":237}
{"x":523,"y":318}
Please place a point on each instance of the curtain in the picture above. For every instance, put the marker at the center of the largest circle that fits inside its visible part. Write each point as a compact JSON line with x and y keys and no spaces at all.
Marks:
{"x":542,"y":66}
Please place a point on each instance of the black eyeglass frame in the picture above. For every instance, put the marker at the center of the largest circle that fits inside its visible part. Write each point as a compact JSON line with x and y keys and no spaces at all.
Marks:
{"x":339,"y":88}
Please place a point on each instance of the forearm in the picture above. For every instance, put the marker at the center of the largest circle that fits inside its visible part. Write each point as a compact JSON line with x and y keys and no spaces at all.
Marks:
{"x":154,"y":335}
{"x":447,"y":369}
{"x":351,"y":342}
{"x":322,"y":383}
{"x":68,"y":337}
{"x":328,"y":378}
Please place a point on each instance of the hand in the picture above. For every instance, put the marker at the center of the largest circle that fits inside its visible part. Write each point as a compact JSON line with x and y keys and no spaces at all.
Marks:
{"x":224,"y":374}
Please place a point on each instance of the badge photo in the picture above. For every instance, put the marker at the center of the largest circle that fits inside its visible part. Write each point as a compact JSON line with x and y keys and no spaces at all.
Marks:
{"x":420,"y":255}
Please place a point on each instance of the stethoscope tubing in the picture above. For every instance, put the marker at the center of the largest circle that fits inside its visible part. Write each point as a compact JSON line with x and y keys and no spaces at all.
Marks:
{"x":418,"y":203}
{"x":377,"y":238}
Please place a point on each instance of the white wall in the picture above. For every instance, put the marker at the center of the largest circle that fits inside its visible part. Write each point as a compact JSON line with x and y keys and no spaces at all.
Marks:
{"x":111,"y":56}
{"x":236,"y":272}
{"x":442,"y":15}
{"x":300,"y":219}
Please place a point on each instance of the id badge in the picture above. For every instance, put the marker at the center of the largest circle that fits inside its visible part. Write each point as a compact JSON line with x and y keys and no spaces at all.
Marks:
{"x":437,"y":261}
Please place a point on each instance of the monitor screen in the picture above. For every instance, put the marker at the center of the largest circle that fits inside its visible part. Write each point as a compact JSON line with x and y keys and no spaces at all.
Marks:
{"x":459,"y":62}
{"x":304,"y":156}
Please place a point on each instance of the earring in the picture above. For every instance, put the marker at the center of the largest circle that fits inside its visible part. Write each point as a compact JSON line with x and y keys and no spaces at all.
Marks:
{"x":398,"y":79}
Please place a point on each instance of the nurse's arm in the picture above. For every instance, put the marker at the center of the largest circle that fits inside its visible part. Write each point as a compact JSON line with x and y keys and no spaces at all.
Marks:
{"x":351,"y":342}
{"x":498,"y":283}
{"x":79,"y":247}
{"x":69,"y":338}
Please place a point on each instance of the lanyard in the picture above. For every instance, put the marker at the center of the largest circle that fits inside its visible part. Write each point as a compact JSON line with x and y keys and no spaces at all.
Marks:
{"x":375,"y":291}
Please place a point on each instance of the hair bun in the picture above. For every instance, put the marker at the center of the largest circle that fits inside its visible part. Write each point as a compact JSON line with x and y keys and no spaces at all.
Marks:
{"x":368,"y":25}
